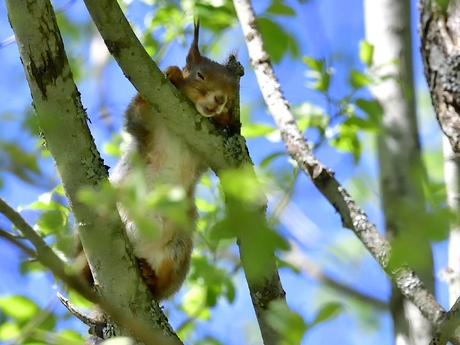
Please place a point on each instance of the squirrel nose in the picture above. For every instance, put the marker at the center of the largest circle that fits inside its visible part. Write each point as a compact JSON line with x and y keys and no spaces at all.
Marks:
{"x":219,"y":99}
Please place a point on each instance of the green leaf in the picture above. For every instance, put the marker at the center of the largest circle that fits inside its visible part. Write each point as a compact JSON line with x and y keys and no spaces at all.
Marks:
{"x":314,"y":64}
{"x":9,"y":330}
{"x":203,"y":205}
{"x":51,"y":222}
{"x":245,"y":197}
{"x":371,"y":108}
{"x":22,"y":164}
{"x":443,"y":5}
{"x":194,"y":302}
{"x":366,"y":52}
{"x":358,"y":79}
{"x":347,"y":141}
{"x":267,"y":160}
{"x":327,"y":312}
{"x":255,"y":130}
{"x":277,"y":41}
{"x":319,"y":74}
{"x":359,"y":123}
{"x":279,"y":7}
{"x":20,"y":308}
{"x":288,"y":323}
{"x":113,"y":147}
{"x":222,"y":230}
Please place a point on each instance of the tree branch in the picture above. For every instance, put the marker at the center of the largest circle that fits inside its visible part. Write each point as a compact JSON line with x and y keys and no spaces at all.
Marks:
{"x":221,"y":152}
{"x":440,"y":49}
{"x":401,"y":171}
{"x":13,"y":239}
{"x":352,"y":216}
{"x":300,"y":260}
{"x":62,"y":121}
{"x":48,"y":258}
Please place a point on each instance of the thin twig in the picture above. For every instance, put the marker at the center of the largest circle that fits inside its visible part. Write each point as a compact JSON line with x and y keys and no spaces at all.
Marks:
{"x":14,"y":239}
{"x":49,"y":259}
{"x":352,"y":216}
{"x":96,"y":326}
{"x":300,"y":260}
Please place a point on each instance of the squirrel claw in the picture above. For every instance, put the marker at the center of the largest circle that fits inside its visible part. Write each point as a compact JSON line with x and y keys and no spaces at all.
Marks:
{"x":174,"y":74}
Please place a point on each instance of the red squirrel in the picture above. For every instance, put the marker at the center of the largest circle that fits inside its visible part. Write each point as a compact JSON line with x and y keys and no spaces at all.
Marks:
{"x":165,"y":260}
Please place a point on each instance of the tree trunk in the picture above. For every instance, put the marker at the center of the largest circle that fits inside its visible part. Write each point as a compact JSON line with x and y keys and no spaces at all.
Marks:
{"x":452,"y":178}
{"x":440,"y":36}
{"x":401,"y":169}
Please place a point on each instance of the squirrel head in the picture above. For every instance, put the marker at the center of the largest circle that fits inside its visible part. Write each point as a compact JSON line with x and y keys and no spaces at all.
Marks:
{"x":208,"y":84}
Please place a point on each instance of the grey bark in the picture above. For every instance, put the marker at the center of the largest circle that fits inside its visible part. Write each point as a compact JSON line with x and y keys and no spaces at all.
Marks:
{"x":63,"y":123}
{"x":220,"y":151}
{"x":76,"y":168}
{"x":352,"y":216}
{"x":440,"y":48}
{"x":388,"y":28}
{"x":452,"y":179}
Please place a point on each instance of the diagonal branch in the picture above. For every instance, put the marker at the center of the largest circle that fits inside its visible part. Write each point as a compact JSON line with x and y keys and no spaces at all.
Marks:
{"x":48,"y":258}
{"x":297,"y":258}
{"x":440,"y":50}
{"x":352,"y":216}
{"x":13,"y":239}
{"x":63,"y":123}
{"x":221,"y":152}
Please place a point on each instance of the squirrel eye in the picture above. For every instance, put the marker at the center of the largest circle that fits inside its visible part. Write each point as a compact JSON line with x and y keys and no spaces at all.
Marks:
{"x":200,"y":75}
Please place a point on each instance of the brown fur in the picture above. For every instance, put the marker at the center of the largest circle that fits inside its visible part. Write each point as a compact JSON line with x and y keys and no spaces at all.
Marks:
{"x":165,"y":260}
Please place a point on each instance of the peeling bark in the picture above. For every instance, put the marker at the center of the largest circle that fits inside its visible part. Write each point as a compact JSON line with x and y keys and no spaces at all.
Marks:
{"x":440,"y":48}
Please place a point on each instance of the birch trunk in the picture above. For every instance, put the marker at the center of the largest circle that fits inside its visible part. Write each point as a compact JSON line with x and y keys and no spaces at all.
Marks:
{"x":401,"y":169}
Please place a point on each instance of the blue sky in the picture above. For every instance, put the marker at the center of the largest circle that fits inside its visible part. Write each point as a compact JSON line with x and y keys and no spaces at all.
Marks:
{"x":325,"y":29}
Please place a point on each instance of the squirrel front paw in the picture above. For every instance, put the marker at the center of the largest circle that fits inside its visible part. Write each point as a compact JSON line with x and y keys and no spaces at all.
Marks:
{"x":174,"y":74}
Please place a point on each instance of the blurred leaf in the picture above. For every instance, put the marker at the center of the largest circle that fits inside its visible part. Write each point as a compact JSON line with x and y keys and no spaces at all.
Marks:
{"x":321,"y":77}
{"x":194,"y":302}
{"x":9,"y":330}
{"x":360,"y":123}
{"x":30,"y":266}
{"x":371,"y":108}
{"x":51,"y":222}
{"x":279,"y":7}
{"x":18,"y":307}
{"x":113,"y":147}
{"x":347,"y":141}
{"x":214,"y":280}
{"x":245,"y":200}
{"x":309,"y":115}
{"x":222,"y":230}
{"x":284,"y":264}
{"x":203,"y":205}
{"x":277,"y":41}
{"x":359,"y":79}
{"x":45,"y":203}
{"x":443,"y":5}
{"x":150,"y":44}
{"x":216,"y":15}
{"x":288,"y":323}
{"x":314,"y":64}
{"x":328,"y":312}
{"x":19,"y":162}
{"x":436,"y":224}
{"x":267,"y":160}
{"x":255,"y":130}
{"x":366,"y":52}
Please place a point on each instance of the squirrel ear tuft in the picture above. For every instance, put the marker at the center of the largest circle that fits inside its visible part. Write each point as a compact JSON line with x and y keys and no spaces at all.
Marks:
{"x":194,"y":55}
